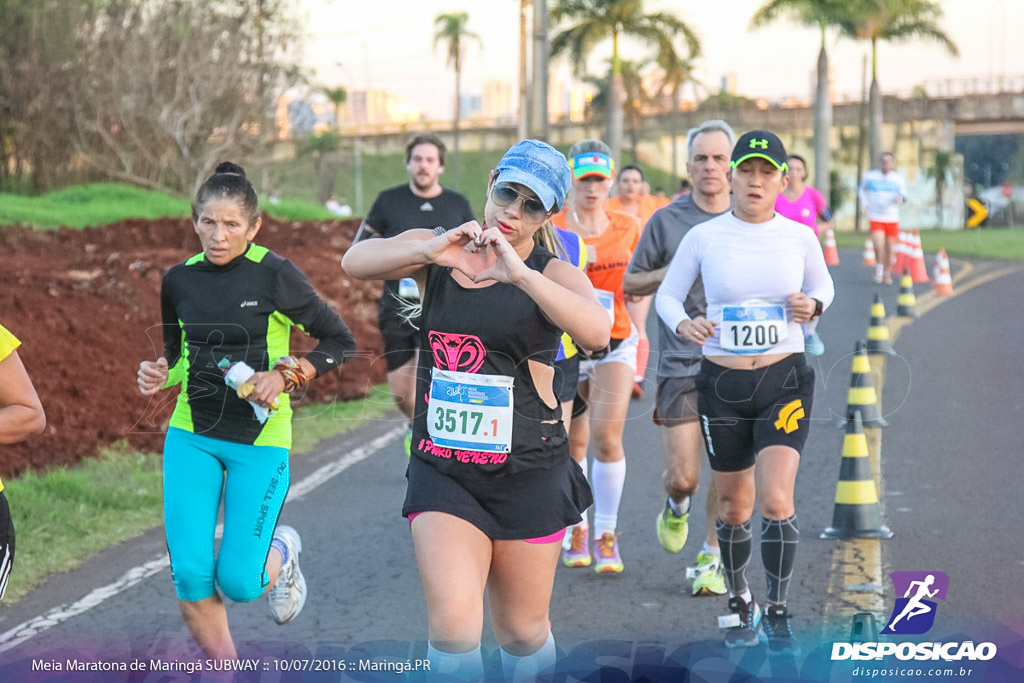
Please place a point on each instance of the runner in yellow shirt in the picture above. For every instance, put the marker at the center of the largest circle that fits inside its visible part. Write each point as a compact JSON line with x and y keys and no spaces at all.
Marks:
{"x":21,"y":416}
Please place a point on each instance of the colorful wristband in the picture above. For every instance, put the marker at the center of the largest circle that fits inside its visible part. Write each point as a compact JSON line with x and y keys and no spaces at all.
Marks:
{"x":294,"y":377}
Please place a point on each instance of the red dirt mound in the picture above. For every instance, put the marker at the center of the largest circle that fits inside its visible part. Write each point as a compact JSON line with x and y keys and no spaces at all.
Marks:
{"x":86,"y":306}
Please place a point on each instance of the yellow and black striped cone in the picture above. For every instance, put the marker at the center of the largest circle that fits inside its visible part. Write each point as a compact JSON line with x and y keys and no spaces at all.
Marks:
{"x":906,"y":305}
{"x":878,"y":332}
{"x":862,"y":396}
{"x":856,"y":514}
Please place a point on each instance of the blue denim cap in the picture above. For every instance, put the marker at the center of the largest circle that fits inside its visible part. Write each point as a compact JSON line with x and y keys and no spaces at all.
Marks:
{"x":538,"y":166}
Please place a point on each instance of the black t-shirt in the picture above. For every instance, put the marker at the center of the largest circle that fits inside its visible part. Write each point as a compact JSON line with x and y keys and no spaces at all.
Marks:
{"x":397,"y":209}
{"x":494,"y":331}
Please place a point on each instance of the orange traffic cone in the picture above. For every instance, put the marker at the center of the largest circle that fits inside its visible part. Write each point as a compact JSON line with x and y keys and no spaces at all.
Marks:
{"x":918,"y":269}
{"x":831,"y":254}
{"x":899,"y":253}
{"x":943,"y":281}
{"x":856,"y":513}
{"x":869,"y":253}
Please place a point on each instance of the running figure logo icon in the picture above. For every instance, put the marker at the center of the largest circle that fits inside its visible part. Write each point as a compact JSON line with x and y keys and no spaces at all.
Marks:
{"x":914,"y":613}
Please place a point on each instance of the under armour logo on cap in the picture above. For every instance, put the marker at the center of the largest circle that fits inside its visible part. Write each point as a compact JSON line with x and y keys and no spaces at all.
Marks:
{"x":761,"y":144}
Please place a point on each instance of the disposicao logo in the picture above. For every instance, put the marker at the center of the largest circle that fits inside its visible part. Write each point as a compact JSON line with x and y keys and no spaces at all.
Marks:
{"x":914,"y":614}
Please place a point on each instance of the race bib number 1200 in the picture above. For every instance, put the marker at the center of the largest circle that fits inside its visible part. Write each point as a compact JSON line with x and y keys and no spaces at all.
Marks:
{"x":753,"y":327}
{"x":470,"y":412}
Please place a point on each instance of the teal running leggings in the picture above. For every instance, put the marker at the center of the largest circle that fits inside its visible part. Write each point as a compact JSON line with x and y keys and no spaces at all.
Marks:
{"x":254,"y":482}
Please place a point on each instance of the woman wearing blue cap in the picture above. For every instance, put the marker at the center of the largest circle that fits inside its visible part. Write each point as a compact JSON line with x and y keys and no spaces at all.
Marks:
{"x":491,"y":483}
{"x":764,"y":275}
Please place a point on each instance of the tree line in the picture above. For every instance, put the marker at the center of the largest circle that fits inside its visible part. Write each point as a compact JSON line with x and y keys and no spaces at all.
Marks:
{"x":155,"y":92}
{"x":148,"y":92}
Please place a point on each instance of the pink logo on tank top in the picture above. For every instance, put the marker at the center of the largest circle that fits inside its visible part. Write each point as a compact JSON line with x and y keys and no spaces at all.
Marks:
{"x":457,"y":352}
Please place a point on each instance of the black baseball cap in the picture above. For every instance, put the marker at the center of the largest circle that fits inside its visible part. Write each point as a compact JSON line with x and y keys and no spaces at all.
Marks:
{"x":762,"y":144}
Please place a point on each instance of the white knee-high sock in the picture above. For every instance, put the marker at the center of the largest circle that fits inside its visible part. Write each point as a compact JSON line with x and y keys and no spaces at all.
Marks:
{"x":528,"y":667}
{"x":607,"y":480}
{"x":447,"y":666}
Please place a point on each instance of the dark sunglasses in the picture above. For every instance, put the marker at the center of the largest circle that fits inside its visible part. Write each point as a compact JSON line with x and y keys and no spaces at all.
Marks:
{"x":503,"y":195}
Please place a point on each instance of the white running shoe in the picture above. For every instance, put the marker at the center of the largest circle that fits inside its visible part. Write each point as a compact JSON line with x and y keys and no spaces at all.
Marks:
{"x":288,"y":596}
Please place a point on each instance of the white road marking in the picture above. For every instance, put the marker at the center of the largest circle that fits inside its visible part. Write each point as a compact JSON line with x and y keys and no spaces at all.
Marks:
{"x":33,"y":627}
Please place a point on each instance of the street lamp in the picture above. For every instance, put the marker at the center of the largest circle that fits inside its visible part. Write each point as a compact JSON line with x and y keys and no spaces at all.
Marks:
{"x":357,"y":152}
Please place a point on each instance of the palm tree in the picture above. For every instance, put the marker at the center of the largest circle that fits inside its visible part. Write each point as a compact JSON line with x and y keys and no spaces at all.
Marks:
{"x":636,"y":98}
{"x":892,"y":20}
{"x":322,"y":146}
{"x":821,"y":14}
{"x":941,"y":171}
{"x":594,"y":21}
{"x":337,"y":96}
{"x":676,"y":74}
{"x":452,"y":28}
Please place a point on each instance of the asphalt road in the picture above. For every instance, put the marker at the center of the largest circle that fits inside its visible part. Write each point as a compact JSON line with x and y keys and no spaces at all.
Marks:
{"x":950,"y":465}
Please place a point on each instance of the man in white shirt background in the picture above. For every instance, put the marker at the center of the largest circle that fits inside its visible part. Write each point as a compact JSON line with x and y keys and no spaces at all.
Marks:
{"x":882,"y":190}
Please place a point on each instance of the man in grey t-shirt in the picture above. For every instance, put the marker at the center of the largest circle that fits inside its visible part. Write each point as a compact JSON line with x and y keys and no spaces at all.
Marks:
{"x":709,"y":147}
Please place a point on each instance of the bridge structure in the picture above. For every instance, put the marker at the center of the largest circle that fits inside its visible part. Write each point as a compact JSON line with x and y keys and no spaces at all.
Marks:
{"x":917,"y":124}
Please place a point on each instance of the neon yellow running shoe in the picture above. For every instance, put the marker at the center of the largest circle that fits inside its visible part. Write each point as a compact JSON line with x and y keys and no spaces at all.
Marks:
{"x":707,"y":575}
{"x":672,"y":529}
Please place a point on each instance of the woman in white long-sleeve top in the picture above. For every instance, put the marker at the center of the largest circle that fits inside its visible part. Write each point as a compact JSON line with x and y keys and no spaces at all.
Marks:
{"x":764,"y":275}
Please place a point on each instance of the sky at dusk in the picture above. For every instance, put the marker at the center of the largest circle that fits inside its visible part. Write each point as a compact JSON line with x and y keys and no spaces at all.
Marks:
{"x":389,"y":44}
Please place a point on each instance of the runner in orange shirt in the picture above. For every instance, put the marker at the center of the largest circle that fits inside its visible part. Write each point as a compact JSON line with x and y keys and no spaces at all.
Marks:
{"x":606,"y":378}
{"x":632,"y":200}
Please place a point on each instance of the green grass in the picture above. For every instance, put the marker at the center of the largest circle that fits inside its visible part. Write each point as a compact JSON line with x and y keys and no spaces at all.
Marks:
{"x":981,"y":243}
{"x":296,"y":178}
{"x":295,"y":210}
{"x":83,"y":206}
{"x":87,"y":206}
{"x":64,"y":516}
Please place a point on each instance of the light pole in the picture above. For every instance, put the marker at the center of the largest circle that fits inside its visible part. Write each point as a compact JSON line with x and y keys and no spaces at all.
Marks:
{"x":540,"y":127}
{"x":524,"y":109}
{"x":357,"y":152}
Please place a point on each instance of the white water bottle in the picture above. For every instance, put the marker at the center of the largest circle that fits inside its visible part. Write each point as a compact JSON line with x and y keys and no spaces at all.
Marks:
{"x":235,"y":376}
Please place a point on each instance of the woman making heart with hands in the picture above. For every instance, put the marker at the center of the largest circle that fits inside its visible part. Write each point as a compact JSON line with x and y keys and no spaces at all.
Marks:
{"x":491,"y":483}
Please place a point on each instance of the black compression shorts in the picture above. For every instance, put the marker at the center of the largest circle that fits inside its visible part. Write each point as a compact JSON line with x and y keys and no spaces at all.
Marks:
{"x":744,"y":411}
{"x":401,"y":339}
{"x":6,"y":544}
{"x":567,"y":376}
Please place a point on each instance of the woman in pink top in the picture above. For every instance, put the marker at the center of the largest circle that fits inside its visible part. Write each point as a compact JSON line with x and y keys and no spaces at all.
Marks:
{"x":804,"y":204}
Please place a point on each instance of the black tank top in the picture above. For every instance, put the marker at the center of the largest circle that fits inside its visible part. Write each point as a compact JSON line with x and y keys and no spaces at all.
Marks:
{"x":492,"y":330}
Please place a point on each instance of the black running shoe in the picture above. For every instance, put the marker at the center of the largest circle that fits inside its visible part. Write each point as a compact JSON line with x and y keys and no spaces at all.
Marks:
{"x":776,"y":632}
{"x":744,"y":624}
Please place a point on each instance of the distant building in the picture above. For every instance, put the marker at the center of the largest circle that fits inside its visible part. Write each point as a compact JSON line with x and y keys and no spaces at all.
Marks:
{"x":377,"y":106}
{"x":578,"y":102}
{"x":498,"y":101}
{"x":301,"y":119}
{"x":470,"y":105}
{"x":728,"y":84}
